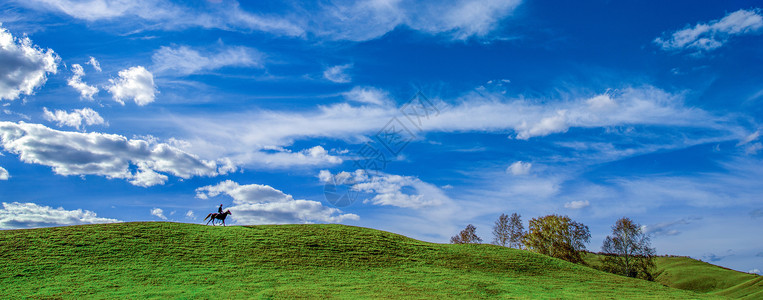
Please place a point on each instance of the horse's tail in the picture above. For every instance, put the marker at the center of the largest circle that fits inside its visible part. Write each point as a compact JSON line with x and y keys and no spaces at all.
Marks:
{"x":207,"y":217}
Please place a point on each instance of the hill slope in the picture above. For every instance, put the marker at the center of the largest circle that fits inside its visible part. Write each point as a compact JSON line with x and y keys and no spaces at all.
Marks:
{"x":135,"y":260}
{"x":693,"y":275}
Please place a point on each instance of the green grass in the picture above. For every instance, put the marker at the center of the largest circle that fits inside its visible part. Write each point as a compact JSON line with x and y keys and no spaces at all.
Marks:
{"x":174,"y":260}
{"x":693,"y":275}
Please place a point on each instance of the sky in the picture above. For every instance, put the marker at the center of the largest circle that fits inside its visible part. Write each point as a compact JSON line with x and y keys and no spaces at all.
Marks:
{"x":415,"y":117}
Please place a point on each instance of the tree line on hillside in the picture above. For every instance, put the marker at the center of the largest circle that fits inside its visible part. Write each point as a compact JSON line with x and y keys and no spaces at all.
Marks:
{"x":625,"y":252}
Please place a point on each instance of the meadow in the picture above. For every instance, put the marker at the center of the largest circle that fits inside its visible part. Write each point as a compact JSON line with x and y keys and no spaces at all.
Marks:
{"x":176,"y":260}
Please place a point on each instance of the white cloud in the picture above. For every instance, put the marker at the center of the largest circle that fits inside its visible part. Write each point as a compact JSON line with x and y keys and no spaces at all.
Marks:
{"x":754,"y":271}
{"x":16,"y":215}
{"x":75,"y":119}
{"x":24,"y":65}
{"x":135,"y":83}
{"x":335,"y":20}
{"x":159,"y":213}
{"x":94,"y":62}
{"x":369,"y":95}
{"x":85,"y":91}
{"x":190,"y":214}
{"x":166,"y":15}
{"x":243,"y":135}
{"x":338,"y":73}
{"x":262,"y":204}
{"x":4,"y":174}
{"x":184,"y":60}
{"x":577,"y":204}
{"x":667,"y":228}
{"x":370,"y":19}
{"x":712,"y":35}
{"x":519,"y":168}
{"x":391,"y":190}
{"x":109,"y":155}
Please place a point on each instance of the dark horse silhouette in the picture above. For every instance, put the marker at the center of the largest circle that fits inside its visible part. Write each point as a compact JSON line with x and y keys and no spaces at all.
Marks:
{"x":220,"y":217}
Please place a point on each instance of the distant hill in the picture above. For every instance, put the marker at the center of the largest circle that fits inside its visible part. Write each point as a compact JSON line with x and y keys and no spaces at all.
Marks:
{"x":693,"y":275}
{"x":157,"y":259}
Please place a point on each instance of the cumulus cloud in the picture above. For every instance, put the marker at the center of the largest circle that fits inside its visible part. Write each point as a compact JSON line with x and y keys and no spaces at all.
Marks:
{"x":263,"y":204}
{"x":368,"y":95}
{"x":184,"y":60}
{"x":135,"y":84}
{"x":169,"y":16}
{"x":159,"y":213}
{"x":712,"y":35}
{"x":17,"y":215}
{"x":75,"y":119}
{"x":85,"y":91}
{"x":338,"y":73}
{"x":4,"y":174}
{"x":109,"y":155}
{"x":24,"y":65}
{"x":94,"y":63}
{"x":519,"y":168}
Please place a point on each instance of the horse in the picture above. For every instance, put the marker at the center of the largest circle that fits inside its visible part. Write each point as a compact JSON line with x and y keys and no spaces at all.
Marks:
{"x":214,"y":216}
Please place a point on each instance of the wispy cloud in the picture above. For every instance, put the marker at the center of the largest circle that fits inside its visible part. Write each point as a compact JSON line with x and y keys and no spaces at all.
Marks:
{"x":167,"y":15}
{"x":338,"y":73}
{"x":4,"y":174}
{"x":714,"y":34}
{"x":332,"y":20}
{"x":184,"y":60}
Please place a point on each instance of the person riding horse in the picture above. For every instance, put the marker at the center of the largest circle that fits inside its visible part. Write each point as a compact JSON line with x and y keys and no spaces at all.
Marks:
{"x":220,"y":215}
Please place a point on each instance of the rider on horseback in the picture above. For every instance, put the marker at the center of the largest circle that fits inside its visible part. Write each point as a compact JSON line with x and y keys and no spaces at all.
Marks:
{"x":220,"y":209}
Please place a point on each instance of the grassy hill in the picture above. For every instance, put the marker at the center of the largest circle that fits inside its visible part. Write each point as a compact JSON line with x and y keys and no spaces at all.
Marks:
{"x":693,"y":275}
{"x":137,"y":260}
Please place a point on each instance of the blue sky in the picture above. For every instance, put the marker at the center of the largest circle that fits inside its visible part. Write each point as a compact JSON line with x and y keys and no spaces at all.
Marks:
{"x":430,"y":115}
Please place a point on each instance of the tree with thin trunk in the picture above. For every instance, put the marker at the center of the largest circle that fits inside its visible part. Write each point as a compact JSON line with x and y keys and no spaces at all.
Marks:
{"x":466,"y":236}
{"x":501,"y":231}
{"x":627,"y":251}
{"x":517,"y":231}
{"x":508,"y":231}
{"x":557,"y":236}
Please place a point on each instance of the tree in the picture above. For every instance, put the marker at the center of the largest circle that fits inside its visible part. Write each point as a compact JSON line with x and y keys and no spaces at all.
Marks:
{"x":557,"y":236}
{"x":466,"y":236}
{"x":508,"y":231}
{"x":517,"y":231}
{"x":627,"y":251}
{"x":501,"y":231}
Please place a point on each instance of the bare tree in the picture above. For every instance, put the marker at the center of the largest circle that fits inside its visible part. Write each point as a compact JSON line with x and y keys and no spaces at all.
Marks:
{"x":627,"y":251}
{"x":466,"y":236}
{"x":557,"y":236}
{"x":502,"y":231}
{"x":517,"y":231}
